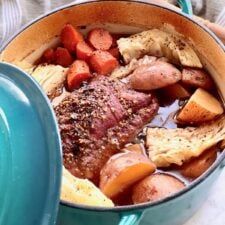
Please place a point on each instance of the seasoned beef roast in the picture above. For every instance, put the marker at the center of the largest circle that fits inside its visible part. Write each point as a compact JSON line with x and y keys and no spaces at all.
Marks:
{"x":97,"y":120}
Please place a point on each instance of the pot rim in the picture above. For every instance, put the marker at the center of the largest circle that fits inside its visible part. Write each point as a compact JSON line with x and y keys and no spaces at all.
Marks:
{"x":193,"y":184}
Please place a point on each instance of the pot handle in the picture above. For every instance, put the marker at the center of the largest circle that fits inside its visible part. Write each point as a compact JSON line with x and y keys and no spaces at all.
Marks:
{"x":130,"y":219}
{"x":186,"y":6}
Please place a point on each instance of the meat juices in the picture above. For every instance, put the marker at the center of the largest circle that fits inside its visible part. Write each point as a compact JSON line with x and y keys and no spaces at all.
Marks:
{"x":97,"y":120}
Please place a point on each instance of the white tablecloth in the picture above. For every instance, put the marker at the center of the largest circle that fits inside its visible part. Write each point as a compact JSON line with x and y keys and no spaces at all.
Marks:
{"x":213,"y":210}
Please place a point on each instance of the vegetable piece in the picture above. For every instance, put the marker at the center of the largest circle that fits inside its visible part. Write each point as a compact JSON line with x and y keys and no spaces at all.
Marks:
{"x":122,"y":170}
{"x":176,"y":146}
{"x":49,"y":56}
{"x":138,"y":148}
{"x":114,"y":52}
{"x":159,"y":43}
{"x":100,"y":39}
{"x":176,"y":91}
{"x":77,"y":73}
{"x":51,"y":78}
{"x":63,"y":57}
{"x":197,"y":166}
{"x":83,"y":51}
{"x":155,"y":75}
{"x":163,"y":59}
{"x":26,"y":66}
{"x":156,"y":187}
{"x":124,"y":71}
{"x":103,"y":62}
{"x":201,"y":107}
{"x":123,"y":198}
{"x":197,"y":78}
{"x":82,"y":191}
{"x":70,"y":37}
{"x":222,"y":145}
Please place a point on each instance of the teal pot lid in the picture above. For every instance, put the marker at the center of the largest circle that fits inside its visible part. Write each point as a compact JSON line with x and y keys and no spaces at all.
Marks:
{"x":30,"y":152}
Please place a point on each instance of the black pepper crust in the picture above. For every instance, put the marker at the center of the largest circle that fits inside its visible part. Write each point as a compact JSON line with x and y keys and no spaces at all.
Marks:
{"x":97,"y":120}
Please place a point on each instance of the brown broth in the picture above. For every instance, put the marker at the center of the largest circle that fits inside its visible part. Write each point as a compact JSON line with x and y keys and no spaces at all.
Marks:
{"x":166,"y":118}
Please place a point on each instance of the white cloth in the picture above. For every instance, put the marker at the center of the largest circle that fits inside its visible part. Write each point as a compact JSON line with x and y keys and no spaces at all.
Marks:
{"x":16,"y":13}
{"x":208,"y":9}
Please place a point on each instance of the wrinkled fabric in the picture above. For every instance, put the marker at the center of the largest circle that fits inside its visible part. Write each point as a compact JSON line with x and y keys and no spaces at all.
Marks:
{"x":208,"y":9}
{"x":16,"y":13}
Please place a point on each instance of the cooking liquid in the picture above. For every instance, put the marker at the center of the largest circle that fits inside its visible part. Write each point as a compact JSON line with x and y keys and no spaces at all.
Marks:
{"x":164,"y":118}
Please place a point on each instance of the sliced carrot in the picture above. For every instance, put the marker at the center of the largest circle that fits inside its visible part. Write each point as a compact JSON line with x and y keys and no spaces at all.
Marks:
{"x":102,"y":62}
{"x":48,"y":56}
{"x":83,"y":51}
{"x":100,"y":39}
{"x":70,"y":37}
{"x":114,"y":52}
{"x":77,"y":73}
{"x":63,"y":57}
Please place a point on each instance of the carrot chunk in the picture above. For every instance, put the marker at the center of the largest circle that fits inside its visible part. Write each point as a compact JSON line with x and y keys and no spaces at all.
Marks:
{"x":100,"y":39}
{"x":102,"y":62}
{"x":63,"y":57}
{"x":70,"y":37}
{"x":83,"y":51}
{"x":48,"y":56}
{"x":77,"y":73}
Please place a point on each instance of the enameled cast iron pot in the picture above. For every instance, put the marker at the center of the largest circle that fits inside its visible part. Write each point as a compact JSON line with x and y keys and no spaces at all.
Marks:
{"x":29,"y":44}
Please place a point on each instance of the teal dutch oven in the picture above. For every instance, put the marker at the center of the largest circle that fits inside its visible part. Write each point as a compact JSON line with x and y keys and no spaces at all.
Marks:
{"x":123,"y":17}
{"x":30,"y":157}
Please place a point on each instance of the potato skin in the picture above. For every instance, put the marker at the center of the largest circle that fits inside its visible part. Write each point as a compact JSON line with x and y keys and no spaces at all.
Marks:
{"x":154,"y":76}
{"x":197,"y":78}
{"x":155,"y":187}
{"x":176,"y":91}
{"x":201,"y":107}
{"x":138,"y":148}
{"x":197,"y":166}
{"x":122,"y":170}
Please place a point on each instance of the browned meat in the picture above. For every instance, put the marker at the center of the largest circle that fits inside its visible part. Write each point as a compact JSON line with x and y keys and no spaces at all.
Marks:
{"x":97,"y":120}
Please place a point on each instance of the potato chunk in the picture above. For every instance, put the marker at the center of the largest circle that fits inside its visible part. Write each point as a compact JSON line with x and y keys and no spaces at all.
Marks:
{"x":176,"y":91}
{"x":123,"y":71}
{"x":197,"y":78}
{"x":197,"y":166}
{"x":82,"y":191}
{"x":154,"y":76}
{"x":156,"y":187}
{"x":138,"y":148}
{"x":122,"y":170}
{"x":201,"y":107}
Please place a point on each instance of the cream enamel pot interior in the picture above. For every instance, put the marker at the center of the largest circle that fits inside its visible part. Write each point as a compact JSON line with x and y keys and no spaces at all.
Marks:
{"x":123,"y":16}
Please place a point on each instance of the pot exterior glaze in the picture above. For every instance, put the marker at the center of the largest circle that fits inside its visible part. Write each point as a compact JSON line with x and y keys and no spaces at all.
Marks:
{"x":32,"y":41}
